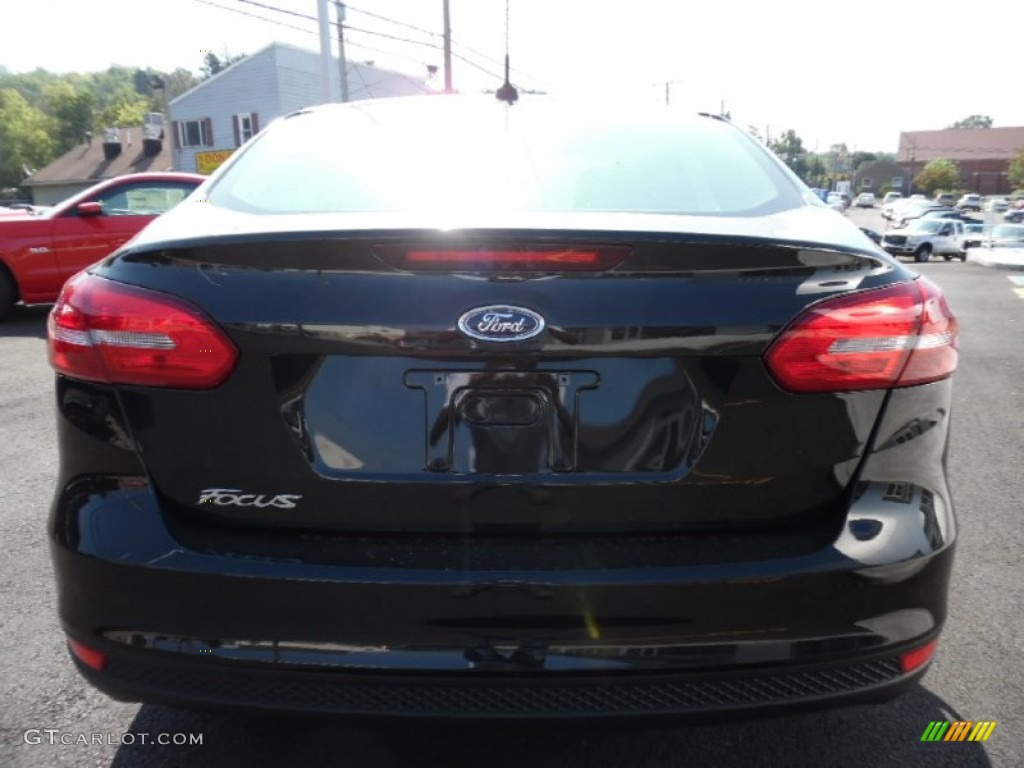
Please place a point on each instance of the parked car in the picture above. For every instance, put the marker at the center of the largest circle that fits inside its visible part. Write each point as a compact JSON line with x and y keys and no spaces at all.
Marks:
{"x":39,"y":252}
{"x":949,"y":213}
{"x":23,"y":209}
{"x":945,"y":198}
{"x":891,"y":197}
{"x":915,"y":209}
{"x":1014,"y":212}
{"x":972,"y":237}
{"x":891,"y":209}
{"x":922,"y":238}
{"x":456,"y":433}
{"x":1005,"y":235}
{"x":970,"y":202}
{"x":865,"y":200}
{"x":997,"y":204}
{"x":836,"y":201}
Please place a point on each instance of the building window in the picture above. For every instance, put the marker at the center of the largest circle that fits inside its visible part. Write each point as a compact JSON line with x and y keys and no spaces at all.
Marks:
{"x":897,"y":182}
{"x":865,"y":183}
{"x":247,"y":125}
{"x":195,"y":133}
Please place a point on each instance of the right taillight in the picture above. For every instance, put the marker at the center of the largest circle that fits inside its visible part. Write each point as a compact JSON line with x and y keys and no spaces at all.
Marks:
{"x":897,"y":336}
{"x":105,"y":331}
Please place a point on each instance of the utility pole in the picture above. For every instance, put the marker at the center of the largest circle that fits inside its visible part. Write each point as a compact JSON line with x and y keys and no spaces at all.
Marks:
{"x":447,"y":49}
{"x":342,"y":66}
{"x":325,"y":50}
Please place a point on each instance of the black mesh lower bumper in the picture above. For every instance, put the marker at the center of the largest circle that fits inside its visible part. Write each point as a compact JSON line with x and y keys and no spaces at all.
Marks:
{"x":316,"y":691}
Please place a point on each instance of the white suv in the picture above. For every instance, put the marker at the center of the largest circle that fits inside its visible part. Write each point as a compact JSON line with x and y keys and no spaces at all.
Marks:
{"x":969,"y":203}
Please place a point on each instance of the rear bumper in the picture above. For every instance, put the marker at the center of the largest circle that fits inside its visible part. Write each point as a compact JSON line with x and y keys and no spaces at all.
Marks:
{"x":180,"y":625}
{"x":198,"y":683}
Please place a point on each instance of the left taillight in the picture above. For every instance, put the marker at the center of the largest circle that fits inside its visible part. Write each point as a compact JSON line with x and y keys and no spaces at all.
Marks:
{"x":105,"y":331}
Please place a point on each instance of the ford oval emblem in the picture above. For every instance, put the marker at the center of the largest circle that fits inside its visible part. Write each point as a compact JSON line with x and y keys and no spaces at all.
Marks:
{"x":501,"y":323}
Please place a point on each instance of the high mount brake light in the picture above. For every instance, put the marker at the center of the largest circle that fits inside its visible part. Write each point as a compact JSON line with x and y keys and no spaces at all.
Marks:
{"x":101,"y":330}
{"x":503,"y":258}
{"x":897,"y":336}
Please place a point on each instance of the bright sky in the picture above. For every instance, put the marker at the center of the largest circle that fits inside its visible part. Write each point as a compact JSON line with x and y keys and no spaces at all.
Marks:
{"x":854,"y":72}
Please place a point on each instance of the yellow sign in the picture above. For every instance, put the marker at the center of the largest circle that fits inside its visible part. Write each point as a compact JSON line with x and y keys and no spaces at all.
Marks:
{"x":208,"y":162}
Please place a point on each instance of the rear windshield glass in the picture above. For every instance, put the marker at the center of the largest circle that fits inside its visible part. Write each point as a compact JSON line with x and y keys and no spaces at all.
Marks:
{"x":431,"y":155}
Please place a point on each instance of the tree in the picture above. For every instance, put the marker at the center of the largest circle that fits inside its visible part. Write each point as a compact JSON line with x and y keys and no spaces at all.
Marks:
{"x":973,"y":121}
{"x":177,"y":82}
{"x":73,"y":109}
{"x":862,"y":158}
{"x":938,"y":174}
{"x":790,"y":148}
{"x":1017,"y":169}
{"x":125,"y":113}
{"x":212,"y":64}
{"x":25,"y":138}
{"x":817,"y":173}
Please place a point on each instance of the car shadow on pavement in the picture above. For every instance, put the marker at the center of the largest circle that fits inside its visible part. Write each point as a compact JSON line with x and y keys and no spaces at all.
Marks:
{"x":884,"y":735}
{"x":25,"y":322}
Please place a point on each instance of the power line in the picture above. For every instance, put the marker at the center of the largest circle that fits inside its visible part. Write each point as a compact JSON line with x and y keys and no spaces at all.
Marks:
{"x":287,"y":11}
{"x":432,"y":46}
{"x":391,"y":21}
{"x":455,"y":43}
{"x":466,"y":48}
{"x":255,"y":16}
{"x":388,"y":36}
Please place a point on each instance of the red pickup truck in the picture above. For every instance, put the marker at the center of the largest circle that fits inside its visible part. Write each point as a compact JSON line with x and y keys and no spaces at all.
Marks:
{"x":39,"y":252}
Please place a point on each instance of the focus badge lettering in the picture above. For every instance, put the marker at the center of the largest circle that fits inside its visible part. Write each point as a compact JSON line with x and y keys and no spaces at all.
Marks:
{"x":501,"y":323}
{"x":235,"y":497}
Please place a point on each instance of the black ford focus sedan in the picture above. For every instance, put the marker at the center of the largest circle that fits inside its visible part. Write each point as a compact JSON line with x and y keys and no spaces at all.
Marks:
{"x":441,"y":407}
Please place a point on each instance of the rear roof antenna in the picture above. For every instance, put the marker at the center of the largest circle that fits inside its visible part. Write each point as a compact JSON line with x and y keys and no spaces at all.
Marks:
{"x":507,"y":92}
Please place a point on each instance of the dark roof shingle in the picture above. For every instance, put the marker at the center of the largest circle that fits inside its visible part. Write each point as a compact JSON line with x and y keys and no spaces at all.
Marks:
{"x":86,"y":162}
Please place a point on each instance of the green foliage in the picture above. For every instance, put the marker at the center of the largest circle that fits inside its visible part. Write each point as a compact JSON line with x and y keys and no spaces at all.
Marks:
{"x":212,"y":64}
{"x":862,"y":158}
{"x":938,"y":174}
{"x":25,"y":137}
{"x":817,"y":174}
{"x":177,"y":82}
{"x":790,"y":148}
{"x":125,"y":113}
{"x":72,"y":109}
{"x":973,"y":121}
{"x":1017,"y":168}
{"x":44,"y":114}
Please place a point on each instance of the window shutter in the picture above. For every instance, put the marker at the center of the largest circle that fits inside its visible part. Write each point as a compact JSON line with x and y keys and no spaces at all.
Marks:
{"x":236,"y":122}
{"x":255,"y":123}
{"x":208,"y":123}
{"x":176,"y":131}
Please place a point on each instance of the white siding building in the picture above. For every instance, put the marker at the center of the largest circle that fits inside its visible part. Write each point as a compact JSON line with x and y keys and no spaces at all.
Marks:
{"x":211,"y":120}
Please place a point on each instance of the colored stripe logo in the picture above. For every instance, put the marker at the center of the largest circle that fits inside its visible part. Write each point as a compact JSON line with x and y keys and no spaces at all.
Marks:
{"x":960,"y":730}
